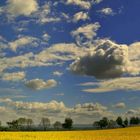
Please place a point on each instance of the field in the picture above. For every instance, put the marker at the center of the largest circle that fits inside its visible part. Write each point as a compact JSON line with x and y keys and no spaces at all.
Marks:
{"x":132,"y":133}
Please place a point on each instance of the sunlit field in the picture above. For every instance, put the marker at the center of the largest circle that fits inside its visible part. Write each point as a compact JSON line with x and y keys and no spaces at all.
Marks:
{"x":132,"y":133}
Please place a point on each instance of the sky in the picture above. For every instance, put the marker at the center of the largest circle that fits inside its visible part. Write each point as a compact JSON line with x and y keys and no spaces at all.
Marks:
{"x":69,"y":58}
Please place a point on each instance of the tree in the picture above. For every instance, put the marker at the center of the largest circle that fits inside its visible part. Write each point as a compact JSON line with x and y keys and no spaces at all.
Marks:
{"x":29,"y":122}
{"x":96,"y":124}
{"x":13,"y":124}
{"x":134,"y":120}
{"x":112,"y":124}
{"x":57,"y":125}
{"x":103,"y":122}
{"x":119,"y":121}
{"x":45,"y":123}
{"x":22,"y":122}
{"x":126,"y":122}
{"x":68,"y":123}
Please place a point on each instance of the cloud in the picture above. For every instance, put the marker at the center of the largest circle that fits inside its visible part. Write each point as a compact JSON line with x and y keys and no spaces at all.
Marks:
{"x":81,"y":113}
{"x":56,"y":54}
{"x":57,"y":73}
{"x":85,"y":34}
{"x":106,"y":11}
{"x":46,"y":37}
{"x":22,"y":42}
{"x":20,"y":7}
{"x":120,"y":105}
{"x":134,"y":57}
{"x":15,"y":76}
{"x":60,"y":52}
{"x":38,"y":14}
{"x":44,"y":14}
{"x":132,"y":113}
{"x":124,"y":83}
{"x":84,"y":4}
{"x":80,"y":16}
{"x":106,"y":60}
{"x":47,"y":20}
{"x":51,"y":106}
{"x":39,"y":84}
{"x":81,"y":3}
{"x":7,"y":114}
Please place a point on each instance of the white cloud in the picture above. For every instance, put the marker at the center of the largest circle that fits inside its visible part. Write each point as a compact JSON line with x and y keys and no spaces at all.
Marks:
{"x":39,"y":84}
{"x":20,"y":7}
{"x":106,"y":11}
{"x":22,"y":42}
{"x":80,"y":16}
{"x":80,"y":113}
{"x":61,"y":52}
{"x":39,"y":14}
{"x":84,"y":35}
{"x":51,"y":106}
{"x":124,"y":83}
{"x":85,"y":4}
{"x":118,"y":59}
{"x":107,"y":60}
{"x":57,"y":73}
{"x":15,"y":76}
{"x":56,"y":55}
{"x":134,"y":56}
{"x":43,"y":15}
{"x":47,"y":20}
{"x":120,"y":105}
{"x":132,"y":113}
{"x":97,"y":1}
{"x":21,"y":61}
{"x":46,"y":37}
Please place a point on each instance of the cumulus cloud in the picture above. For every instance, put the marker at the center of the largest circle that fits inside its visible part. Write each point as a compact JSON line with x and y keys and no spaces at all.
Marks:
{"x":85,"y":34}
{"x":132,"y":113}
{"x":134,"y":57}
{"x":80,"y":113}
{"x":39,"y":84}
{"x":15,"y":76}
{"x":20,"y":7}
{"x":120,"y":105}
{"x":124,"y":83}
{"x":51,"y":106}
{"x":80,"y":16}
{"x":106,"y":11}
{"x":106,"y":60}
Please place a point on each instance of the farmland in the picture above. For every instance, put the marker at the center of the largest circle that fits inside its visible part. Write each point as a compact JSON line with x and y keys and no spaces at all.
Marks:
{"x":131,"y":133}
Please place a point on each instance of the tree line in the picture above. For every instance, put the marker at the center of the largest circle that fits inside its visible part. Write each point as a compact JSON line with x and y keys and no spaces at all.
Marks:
{"x":26,"y":124}
{"x":119,"y":122}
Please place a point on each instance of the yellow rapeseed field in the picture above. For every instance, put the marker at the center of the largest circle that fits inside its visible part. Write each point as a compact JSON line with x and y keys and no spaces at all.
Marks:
{"x":132,"y":133}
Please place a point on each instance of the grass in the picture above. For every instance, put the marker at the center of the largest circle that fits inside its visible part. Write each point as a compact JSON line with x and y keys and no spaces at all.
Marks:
{"x":132,"y":133}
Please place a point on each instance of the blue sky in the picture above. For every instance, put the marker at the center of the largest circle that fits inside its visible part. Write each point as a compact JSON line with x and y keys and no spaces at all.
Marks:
{"x":67,"y":57}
